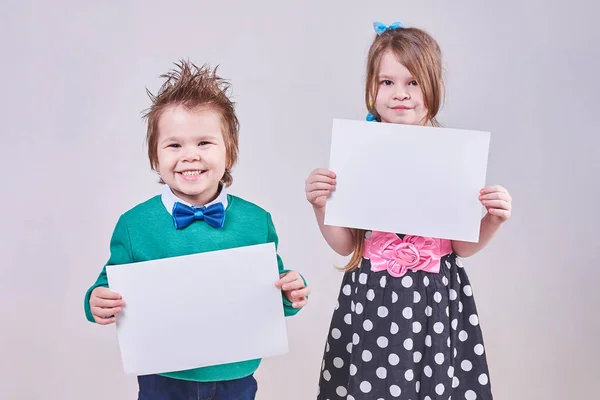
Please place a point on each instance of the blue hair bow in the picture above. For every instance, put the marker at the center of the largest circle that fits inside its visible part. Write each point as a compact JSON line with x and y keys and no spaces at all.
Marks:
{"x":380,"y":27}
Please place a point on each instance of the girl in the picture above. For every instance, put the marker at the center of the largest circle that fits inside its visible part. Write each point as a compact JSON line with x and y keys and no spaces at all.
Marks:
{"x":406,"y":323}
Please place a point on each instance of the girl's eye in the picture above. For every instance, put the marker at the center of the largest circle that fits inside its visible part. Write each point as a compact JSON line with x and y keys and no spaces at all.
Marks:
{"x":414,"y":83}
{"x":386,"y":82}
{"x":203,"y":143}
{"x":174,"y":145}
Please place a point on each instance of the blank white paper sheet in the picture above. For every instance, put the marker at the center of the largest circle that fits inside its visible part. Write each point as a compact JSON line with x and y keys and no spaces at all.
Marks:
{"x":408,"y":179}
{"x":199,"y":310}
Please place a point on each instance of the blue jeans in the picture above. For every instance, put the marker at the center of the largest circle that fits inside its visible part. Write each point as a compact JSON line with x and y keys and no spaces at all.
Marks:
{"x":156,"y":387}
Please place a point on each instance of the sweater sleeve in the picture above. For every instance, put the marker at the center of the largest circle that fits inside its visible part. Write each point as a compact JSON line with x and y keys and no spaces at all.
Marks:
{"x":288,"y":309}
{"x":120,"y":253}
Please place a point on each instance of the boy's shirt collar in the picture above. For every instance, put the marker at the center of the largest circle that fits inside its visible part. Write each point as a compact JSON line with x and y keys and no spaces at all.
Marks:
{"x":169,"y":199}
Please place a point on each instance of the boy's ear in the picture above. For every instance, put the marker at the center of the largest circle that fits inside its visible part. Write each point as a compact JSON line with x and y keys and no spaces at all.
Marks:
{"x":155,"y":169}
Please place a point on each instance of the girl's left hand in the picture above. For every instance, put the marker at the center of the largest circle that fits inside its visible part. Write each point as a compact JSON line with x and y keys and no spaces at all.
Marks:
{"x":498,"y":203}
{"x":292,"y":286}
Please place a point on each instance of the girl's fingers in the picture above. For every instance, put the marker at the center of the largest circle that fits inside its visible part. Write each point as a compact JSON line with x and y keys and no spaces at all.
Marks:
{"x":312,"y":196}
{"x":493,"y":188}
{"x":496,"y":196}
{"x":499,"y":204}
{"x":503,"y":214}
{"x":324,"y":172}
{"x":319,"y":186}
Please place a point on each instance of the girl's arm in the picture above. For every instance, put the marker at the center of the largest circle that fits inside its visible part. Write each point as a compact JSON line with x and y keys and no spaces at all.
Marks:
{"x":498,"y":203}
{"x":467,"y":249}
{"x":340,"y":239}
{"x":319,"y":185}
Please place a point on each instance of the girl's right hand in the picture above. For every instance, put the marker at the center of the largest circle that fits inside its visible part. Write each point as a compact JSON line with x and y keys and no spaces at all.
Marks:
{"x":319,"y":185}
{"x":105,"y":305}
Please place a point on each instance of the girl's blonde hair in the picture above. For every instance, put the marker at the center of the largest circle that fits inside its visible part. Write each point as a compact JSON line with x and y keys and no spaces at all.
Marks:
{"x":419,"y":52}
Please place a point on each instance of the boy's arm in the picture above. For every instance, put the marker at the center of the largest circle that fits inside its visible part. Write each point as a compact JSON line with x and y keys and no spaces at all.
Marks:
{"x":120,"y":253}
{"x":288,"y":309}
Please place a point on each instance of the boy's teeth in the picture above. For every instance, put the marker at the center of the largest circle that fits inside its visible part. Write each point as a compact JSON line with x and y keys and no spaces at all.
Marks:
{"x":191,"y":173}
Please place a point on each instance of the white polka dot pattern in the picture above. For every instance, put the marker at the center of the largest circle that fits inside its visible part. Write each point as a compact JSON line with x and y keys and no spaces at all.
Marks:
{"x":416,"y":337}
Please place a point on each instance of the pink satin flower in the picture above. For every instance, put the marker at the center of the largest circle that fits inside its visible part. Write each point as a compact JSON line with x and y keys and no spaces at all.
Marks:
{"x":388,"y":252}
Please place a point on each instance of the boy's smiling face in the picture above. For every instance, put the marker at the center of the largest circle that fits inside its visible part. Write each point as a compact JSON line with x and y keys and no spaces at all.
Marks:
{"x":191,"y":153}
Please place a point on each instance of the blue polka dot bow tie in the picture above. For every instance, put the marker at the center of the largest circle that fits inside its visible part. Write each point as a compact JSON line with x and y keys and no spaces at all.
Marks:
{"x":184,"y":215}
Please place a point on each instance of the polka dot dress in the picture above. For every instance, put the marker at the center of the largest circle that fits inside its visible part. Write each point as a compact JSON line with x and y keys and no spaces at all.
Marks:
{"x":414,"y":337}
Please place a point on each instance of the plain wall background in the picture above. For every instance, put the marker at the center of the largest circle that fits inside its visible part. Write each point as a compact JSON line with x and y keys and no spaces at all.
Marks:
{"x":73,"y":159}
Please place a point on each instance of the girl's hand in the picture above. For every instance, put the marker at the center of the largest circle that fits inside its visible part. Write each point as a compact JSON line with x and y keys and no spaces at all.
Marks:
{"x":319,"y":185}
{"x":498,"y":203}
{"x":105,"y":304}
{"x":292,"y":286}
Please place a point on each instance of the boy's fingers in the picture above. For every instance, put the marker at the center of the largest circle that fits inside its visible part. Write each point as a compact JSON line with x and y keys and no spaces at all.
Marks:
{"x":297,"y":284}
{"x":301,"y":293}
{"x":103,"y":303}
{"x":105,"y":312}
{"x":289,"y":277}
{"x":105,"y":293}
{"x":299,"y":304}
{"x":104,"y":321}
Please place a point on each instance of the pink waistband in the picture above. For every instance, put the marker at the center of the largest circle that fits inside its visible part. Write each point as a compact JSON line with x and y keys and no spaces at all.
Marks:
{"x":387,"y":251}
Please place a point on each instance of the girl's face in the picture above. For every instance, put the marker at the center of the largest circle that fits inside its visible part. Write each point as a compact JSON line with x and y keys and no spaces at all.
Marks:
{"x":399,"y":98}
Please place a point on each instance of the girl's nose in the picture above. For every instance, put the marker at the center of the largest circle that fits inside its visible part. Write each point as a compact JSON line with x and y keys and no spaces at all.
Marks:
{"x":401,"y":93}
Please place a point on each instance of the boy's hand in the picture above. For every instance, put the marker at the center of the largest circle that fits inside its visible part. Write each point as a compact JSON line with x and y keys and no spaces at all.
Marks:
{"x":293,"y":288}
{"x":105,"y":304}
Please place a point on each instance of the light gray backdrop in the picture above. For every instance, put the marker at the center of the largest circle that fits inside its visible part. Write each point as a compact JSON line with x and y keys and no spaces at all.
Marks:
{"x":73,"y":159}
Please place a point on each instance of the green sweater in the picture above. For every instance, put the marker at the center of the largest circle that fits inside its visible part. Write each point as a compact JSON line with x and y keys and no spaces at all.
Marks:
{"x":146,"y":232}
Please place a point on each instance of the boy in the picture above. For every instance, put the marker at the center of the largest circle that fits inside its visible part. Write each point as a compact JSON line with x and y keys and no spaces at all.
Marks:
{"x":192,"y":139}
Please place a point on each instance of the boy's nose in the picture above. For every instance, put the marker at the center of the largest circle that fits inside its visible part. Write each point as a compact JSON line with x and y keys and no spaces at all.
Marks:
{"x":191,"y":155}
